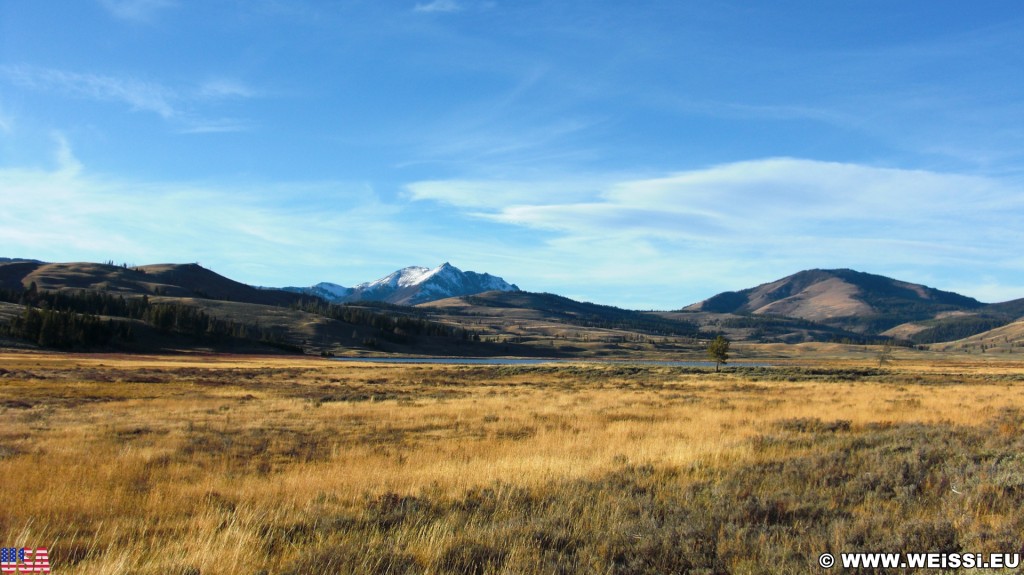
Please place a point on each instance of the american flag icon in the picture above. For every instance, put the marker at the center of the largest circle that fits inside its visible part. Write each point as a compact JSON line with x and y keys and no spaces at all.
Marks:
{"x":24,"y":560}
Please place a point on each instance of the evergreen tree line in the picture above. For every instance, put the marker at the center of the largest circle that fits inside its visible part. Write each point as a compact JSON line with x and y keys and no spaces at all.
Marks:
{"x":872,"y":340}
{"x":66,"y":330}
{"x":394,"y":327}
{"x":652,"y":326}
{"x":599,"y":316}
{"x":959,"y":328}
{"x":84,"y":302}
{"x":72,"y":320}
{"x":768,"y":327}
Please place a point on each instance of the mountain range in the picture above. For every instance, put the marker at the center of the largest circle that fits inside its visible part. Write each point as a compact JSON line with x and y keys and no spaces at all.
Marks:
{"x":411,"y":286}
{"x":811,"y":305}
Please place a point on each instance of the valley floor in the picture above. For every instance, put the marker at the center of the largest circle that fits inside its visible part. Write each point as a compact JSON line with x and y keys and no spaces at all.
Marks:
{"x":294,"y":465}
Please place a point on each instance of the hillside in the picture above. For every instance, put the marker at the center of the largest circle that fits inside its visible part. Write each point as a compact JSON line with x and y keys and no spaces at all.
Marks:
{"x":556,"y":324}
{"x":1007,"y":338}
{"x":562,"y":310}
{"x":843,"y":299}
{"x":172,"y":280}
{"x":768,"y":328}
{"x":952,"y":326}
{"x":354,"y":330}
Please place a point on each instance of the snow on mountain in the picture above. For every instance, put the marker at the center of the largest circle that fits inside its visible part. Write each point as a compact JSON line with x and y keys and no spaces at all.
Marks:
{"x":413,"y":285}
{"x":405,"y":277}
{"x":328,"y":291}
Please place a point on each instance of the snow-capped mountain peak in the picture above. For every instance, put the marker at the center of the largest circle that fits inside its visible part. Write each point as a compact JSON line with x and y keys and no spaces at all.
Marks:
{"x":408,"y":277}
{"x":402,"y":278}
{"x":413,"y":285}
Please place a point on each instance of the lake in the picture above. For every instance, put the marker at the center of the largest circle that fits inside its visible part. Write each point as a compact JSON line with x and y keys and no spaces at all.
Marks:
{"x":536,"y":361}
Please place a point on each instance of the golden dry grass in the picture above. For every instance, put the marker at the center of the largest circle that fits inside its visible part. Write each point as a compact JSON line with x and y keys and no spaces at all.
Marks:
{"x":218,"y":465}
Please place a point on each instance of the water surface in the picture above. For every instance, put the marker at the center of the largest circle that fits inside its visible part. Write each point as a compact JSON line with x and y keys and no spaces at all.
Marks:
{"x":538,"y":361}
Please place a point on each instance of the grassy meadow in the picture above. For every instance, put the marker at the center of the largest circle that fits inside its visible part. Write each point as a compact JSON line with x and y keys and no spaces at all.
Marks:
{"x":177,"y":465}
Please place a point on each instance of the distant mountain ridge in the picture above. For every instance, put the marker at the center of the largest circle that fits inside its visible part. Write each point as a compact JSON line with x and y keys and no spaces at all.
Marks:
{"x":560,"y":309}
{"x":18,"y":260}
{"x":411,"y":286}
{"x":172,"y":280}
{"x":814,"y":305}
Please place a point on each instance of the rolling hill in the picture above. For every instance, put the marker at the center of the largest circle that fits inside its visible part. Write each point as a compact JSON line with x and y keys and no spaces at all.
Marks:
{"x":844,"y":299}
{"x":1007,"y":338}
{"x":171,"y":280}
{"x":556,"y":325}
{"x":560,"y":310}
{"x":957,"y":325}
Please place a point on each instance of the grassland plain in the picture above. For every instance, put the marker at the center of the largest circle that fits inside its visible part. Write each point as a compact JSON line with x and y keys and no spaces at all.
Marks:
{"x":241,"y":465}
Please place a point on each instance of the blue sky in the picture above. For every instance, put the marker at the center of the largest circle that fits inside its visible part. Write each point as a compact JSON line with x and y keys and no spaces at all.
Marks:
{"x":646,"y":155}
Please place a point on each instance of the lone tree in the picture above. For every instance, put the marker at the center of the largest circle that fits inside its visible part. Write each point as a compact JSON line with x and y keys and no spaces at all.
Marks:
{"x":718,"y":351}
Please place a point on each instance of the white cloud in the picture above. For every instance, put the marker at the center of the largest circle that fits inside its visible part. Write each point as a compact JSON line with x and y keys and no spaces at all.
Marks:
{"x":782,"y":197}
{"x":260,"y":234}
{"x":760,"y":219}
{"x":765,"y":192}
{"x":68,"y":165}
{"x":660,"y":242}
{"x":496,"y":194}
{"x":438,"y":6}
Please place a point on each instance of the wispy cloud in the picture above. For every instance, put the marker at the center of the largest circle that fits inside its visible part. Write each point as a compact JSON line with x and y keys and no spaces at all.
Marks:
{"x":225,"y":88}
{"x":780,"y":195}
{"x":267,"y":233}
{"x":138,"y":94}
{"x":68,"y":165}
{"x":215,"y":126}
{"x":776,"y":215}
{"x":656,"y":242}
{"x":177,"y":105}
{"x":502,"y":194}
{"x":478,"y":137}
{"x":136,"y":10}
{"x":438,"y":6}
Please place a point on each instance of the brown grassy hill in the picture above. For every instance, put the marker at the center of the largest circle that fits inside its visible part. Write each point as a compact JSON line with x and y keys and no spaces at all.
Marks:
{"x":1008,"y":338}
{"x":556,"y":325}
{"x":846,"y":299}
{"x":546,"y":308}
{"x":961,"y":325}
{"x":174,"y":280}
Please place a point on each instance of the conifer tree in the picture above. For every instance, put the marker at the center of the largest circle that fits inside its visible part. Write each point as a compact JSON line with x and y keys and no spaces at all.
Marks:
{"x":718,"y":351}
